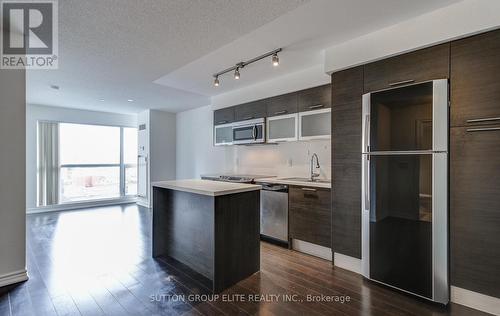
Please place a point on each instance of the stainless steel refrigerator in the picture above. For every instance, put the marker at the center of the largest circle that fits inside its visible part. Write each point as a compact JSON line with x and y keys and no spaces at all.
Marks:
{"x":405,"y":188}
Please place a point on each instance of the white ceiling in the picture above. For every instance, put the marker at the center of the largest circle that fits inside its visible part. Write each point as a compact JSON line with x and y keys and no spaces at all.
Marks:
{"x":162,"y":53}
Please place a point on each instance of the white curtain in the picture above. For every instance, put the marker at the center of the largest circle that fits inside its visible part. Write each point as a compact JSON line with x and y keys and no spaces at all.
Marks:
{"x":48,"y":163}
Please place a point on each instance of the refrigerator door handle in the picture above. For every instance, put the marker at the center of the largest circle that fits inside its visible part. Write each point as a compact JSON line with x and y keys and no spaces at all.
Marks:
{"x":366,"y":123}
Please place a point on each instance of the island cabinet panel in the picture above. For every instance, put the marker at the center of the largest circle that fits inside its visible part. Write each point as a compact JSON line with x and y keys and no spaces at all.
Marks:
{"x":282,"y":104}
{"x":180,"y":228}
{"x":475,"y":80}
{"x":475,"y":208}
{"x":251,"y":110}
{"x":310,"y":215}
{"x":315,"y":98}
{"x":218,"y":238}
{"x":418,"y":66}
{"x":347,"y":90}
{"x":237,"y":238}
{"x":224,"y":116}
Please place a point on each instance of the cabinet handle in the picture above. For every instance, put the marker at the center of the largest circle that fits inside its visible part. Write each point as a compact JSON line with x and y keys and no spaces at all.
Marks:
{"x":248,"y":118}
{"x":317,"y":106}
{"x":488,"y":119}
{"x":393,"y":84}
{"x":483,"y":129}
{"x":280,"y":112}
{"x":309,"y":189}
{"x":222,"y":122}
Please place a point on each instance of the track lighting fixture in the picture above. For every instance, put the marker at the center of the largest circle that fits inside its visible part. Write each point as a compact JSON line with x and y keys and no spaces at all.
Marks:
{"x":276,"y":60}
{"x":240,"y":65}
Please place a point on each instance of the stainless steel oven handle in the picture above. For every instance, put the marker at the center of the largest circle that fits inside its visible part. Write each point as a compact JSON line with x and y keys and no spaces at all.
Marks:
{"x":309,"y":189}
{"x":254,"y":132}
{"x":317,"y":106}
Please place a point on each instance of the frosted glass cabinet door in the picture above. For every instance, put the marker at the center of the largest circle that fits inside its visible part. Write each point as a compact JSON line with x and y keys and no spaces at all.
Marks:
{"x":282,"y":128}
{"x":223,"y":135}
{"x":315,"y":124}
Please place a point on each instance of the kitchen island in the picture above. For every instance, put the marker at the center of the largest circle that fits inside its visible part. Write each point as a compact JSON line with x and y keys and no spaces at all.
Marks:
{"x":212,"y":227}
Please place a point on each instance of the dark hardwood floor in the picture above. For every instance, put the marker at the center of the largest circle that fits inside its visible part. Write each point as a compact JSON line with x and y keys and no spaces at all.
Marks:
{"x":98,"y":262}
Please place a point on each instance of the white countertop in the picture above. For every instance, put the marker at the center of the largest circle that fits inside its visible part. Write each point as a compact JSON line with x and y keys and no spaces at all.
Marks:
{"x":206,"y":187}
{"x":296,"y":182}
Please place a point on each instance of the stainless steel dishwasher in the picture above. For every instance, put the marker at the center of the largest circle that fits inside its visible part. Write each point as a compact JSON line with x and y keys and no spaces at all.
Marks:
{"x":274,"y":212}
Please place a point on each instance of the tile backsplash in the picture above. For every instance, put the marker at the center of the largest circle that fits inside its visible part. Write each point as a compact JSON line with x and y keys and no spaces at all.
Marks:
{"x":283,"y":159}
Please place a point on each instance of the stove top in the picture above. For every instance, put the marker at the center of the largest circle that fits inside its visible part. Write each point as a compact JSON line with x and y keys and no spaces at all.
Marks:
{"x":245,"y":178}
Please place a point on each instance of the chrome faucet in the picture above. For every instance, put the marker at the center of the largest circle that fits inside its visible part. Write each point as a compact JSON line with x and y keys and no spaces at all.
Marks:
{"x":313,"y":174}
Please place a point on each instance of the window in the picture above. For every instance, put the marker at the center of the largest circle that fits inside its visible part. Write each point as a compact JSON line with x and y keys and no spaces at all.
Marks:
{"x":96,"y":162}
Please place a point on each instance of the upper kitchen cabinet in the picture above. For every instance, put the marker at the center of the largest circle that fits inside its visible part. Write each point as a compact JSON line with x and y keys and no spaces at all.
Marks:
{"x":224,"y":116}
{"x":419,"y":66}
{"x":475,"y":80}
{"x":282,"y":104}
{"x":251,"y":110}
{"x":315,"y":98}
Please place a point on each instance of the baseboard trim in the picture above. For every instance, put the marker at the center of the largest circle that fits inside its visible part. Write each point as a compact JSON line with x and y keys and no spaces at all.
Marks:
{"x":75,"y":206}
{"x":14,"y":277}
{"x":312,"y":249}
{"x":482,"y":302}
{"x":347,"y":262}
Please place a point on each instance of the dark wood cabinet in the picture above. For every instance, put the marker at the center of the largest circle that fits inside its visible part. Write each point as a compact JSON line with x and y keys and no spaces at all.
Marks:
{"x":347,"y":90}
{"x":475,"y":209}
{"x":310,"y":215}
{"x":315,"y":98}
{"x":475,"y":79}
{"x":418,"y":66}
{"x":224,"y":116}
{"x":251,"y":110}
{"x":282,"y":104}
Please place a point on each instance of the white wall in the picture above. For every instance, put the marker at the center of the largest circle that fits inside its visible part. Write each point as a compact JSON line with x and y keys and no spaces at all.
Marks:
{"x":454,"y":21}
{"x":12,"y":175}
{"x":196,"y":154}
{"x":162,"y":145}
{"x":35,"y":113}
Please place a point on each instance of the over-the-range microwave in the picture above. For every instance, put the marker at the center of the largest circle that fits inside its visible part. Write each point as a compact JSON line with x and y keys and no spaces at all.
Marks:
{"x":244,"y":132}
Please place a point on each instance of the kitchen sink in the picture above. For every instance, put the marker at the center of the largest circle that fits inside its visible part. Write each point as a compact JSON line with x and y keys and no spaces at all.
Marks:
{"x":306,"y":180}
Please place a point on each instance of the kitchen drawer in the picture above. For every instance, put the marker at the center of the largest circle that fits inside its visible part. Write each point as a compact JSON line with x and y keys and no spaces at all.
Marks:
{"x":475,"y":209}
{"x":224,"y":116}
{"x":282,"y":104}
{"x":475,"y":80}
{"x":418,"y":66}
{"x":309,"y":215}
{"x":251,"y":110}
{"x":315,"y":98}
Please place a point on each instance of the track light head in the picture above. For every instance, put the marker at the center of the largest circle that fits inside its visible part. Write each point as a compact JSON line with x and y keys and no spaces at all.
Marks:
{"x":216,"y":81}
{"x":237,"y":73}
{"x":276,"y":60}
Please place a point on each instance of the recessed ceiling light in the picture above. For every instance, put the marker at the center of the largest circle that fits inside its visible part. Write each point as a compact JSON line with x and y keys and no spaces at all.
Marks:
{"x":130,"y":100}
{"x":101,"y":100}
{"x":55,"y":87}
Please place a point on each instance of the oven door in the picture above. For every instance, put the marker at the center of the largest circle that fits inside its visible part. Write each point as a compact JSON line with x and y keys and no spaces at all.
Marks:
{"x":249,"y":132}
